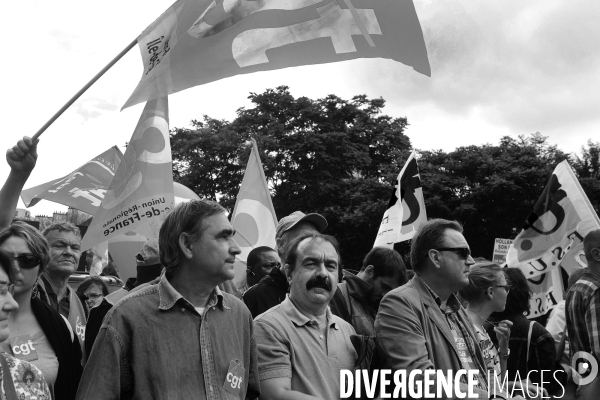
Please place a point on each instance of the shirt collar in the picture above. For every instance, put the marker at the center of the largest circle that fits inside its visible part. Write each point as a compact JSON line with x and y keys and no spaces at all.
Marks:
{"x":300,"y":319}
{"x":168,"y":296}
{"x":452,"y":301}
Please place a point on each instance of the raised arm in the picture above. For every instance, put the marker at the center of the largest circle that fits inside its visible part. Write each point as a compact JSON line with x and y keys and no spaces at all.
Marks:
{"x":21,"y":158}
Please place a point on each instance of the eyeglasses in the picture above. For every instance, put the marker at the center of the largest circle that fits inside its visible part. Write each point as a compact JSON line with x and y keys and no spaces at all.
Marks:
{"x":27,"y":261}
{"x":505,"y":287}
{"x":6,"y":288}
{"x":463,"y":252}
{"x":92,"y":296}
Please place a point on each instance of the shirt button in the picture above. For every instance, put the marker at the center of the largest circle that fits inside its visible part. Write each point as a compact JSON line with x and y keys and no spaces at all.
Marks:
{"x":183,"y":310}
{"x":321,"y":336}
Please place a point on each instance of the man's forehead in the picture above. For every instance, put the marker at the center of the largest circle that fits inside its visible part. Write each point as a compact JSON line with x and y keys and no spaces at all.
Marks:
{"x":454,"y":238}
{"x":315,"y":246}
{"x":65,"y":236}
{"x":269,"y":255}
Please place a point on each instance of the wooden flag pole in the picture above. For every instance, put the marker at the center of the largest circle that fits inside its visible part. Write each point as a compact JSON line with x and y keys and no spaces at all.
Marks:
{"x":83,"y":89}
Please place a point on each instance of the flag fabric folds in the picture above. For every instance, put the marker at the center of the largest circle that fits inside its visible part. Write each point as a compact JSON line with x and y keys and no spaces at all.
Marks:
{"x":199,"y":41}
{"x":553,"y":233}
{"x":547,"y":292}
{"x":406,"y":208}
{"x":141,"y":193}
{"x":253,"y":216}
{"x":84,"y":188}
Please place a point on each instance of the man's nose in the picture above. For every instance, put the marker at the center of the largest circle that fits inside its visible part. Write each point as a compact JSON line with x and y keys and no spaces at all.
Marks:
{"x":234,"y":249}
{"x":321,"y":270}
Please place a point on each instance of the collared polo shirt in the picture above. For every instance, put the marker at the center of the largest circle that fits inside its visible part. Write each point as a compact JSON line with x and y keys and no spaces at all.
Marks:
{"x":291,"y":345}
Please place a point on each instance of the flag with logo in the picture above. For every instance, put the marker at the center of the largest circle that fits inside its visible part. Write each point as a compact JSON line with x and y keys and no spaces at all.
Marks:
{"x":141,"y":193}
{"x":253,"y":216}
{"x":547,"y":292}
{"x":553,"y":233}
{"x":199,"y":41}
{"x":84,"y":188}
{"x":406,"y":208}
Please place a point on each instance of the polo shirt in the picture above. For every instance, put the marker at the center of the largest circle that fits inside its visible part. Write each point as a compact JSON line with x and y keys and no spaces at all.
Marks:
{"x":291,"y":345}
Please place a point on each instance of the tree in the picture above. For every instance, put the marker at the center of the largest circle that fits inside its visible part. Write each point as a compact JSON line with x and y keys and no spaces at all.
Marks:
{"x":332,"y":156}
{"x":588,"y":169}
{"x":490,"y":189}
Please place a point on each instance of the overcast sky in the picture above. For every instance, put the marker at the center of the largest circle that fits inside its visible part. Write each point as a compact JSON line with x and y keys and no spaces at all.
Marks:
{"x":498,"y":68}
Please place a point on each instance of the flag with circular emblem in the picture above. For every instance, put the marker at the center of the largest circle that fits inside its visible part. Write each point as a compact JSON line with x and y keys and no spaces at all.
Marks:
{"x":253,"y":216}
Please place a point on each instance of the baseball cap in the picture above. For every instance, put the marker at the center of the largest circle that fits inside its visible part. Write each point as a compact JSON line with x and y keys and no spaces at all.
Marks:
{"x":287,"y":223}
{"x":149,"y":254}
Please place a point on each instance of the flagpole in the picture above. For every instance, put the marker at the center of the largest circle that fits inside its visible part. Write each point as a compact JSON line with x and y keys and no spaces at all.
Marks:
{"x":83,"y":89}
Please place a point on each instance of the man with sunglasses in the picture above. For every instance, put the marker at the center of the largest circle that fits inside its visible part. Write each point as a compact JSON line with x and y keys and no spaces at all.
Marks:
{"x":422,"y":324}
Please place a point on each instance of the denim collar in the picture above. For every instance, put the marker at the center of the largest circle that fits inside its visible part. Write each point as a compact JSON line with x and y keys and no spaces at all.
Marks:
{"x":300,"y":319}
{"x":168,"y":296}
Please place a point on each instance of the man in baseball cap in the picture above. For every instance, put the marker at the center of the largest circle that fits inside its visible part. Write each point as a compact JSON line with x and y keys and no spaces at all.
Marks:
{"x":271,"y":290}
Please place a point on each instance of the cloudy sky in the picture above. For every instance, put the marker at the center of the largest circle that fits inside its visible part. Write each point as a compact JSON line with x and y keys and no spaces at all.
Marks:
{"x":498,"y":68}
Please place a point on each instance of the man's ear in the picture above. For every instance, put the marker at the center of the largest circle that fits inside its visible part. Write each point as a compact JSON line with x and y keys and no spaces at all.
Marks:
{"x":369,"y":272}
{"x":287,"y":270}
{"x":434,"y":257}
{"x":596,"y":254}
{"x":185,"y":245}
{"x":279,"y":247}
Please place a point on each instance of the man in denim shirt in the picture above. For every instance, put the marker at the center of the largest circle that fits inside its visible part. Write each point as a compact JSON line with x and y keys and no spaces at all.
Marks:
{"x":182,"y":338}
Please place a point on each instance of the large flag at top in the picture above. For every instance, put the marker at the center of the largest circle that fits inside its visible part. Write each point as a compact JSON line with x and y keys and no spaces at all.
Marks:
{"x":199,"y":41}
{"x":84,"y":188}
{"x":253,"y":216}
{"x":406,"y":208}
{"x":141,"y":193}
{"x":553,"y":233}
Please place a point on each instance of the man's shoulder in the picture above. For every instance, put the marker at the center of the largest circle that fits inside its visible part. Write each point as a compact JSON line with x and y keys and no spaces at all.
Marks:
{"x":272,"y":315}
{"x":134,"y":304}
{"x":406,"y":292}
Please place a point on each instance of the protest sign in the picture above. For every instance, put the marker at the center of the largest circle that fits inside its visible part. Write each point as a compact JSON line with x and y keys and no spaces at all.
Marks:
{"x":501,"y":250}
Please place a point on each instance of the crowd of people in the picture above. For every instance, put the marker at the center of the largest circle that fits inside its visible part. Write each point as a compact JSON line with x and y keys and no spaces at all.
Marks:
{"x":181,"y":330}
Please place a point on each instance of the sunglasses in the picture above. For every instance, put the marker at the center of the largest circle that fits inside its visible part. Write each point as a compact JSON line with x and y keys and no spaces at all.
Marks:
{"x":27,"y":261}
{"x":463,"y":252}
{"x":6,"y":288}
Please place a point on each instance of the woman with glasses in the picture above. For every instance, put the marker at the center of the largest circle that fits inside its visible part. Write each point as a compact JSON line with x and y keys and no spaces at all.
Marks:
{"x":486,"y":293}
{"x":92,"y":290}
{"x":56,"y":351}
{"x":20,"y":379}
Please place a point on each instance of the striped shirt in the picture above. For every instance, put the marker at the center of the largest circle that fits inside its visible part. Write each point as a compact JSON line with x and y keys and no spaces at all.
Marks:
{"x":583,"y":314}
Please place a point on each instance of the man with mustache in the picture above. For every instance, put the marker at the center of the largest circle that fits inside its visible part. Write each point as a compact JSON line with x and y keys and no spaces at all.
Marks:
{"x":357,"y":298}
{"x":301,"y":345}
{"x":182,"y":338}
{"x":64,"y":240}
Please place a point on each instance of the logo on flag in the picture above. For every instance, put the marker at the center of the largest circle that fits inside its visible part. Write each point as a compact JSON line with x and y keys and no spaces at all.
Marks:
{"x":253,"y":216}
{"x":553,"y":233}
{"x":84,"y":188}
{"x":406,"y":208}
{"x":141,"y":193}
{"x":194,"y":42}
{"x":547,"y":292}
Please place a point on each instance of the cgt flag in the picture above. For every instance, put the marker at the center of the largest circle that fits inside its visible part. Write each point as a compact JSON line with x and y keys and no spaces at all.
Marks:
{"x":84,"y":188}
{"x":253,"y":216}
{"x":406,"y":205}
{"x":141,"y":192}
{"x":553,"y":232}
{"x":199,"y":41}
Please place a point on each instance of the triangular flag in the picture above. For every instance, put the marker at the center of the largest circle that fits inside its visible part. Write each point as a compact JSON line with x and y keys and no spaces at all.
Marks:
{"x":199,"y":41}
{"x":554,"y":231}
{"x":406,"y":204}
{"x":253,"y":216}
{"x":84,"y":188}
{"x":141,"y":193}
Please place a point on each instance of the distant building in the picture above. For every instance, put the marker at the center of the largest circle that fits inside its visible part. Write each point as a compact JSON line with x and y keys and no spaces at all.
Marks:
{"x":44,"y":221}
{"x":22,"y":214}
{"x":59,"y":217}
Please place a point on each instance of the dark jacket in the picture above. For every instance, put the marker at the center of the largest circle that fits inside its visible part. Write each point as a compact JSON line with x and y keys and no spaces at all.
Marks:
{"x":267,"y":293}
{"x":350,"y":303}
{"x":68,"y":352}
{"x":94,"y":323}
{"x":542,"y":354}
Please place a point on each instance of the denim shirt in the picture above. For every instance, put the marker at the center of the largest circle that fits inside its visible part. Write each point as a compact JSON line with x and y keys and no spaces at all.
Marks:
{"x":153,"y":344}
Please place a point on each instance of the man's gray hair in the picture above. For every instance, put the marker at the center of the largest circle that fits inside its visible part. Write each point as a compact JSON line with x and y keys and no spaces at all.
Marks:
{"x":62,"y":227}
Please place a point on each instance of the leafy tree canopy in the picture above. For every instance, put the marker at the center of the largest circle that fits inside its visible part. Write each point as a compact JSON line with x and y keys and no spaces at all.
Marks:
{"x":340,"y":158}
